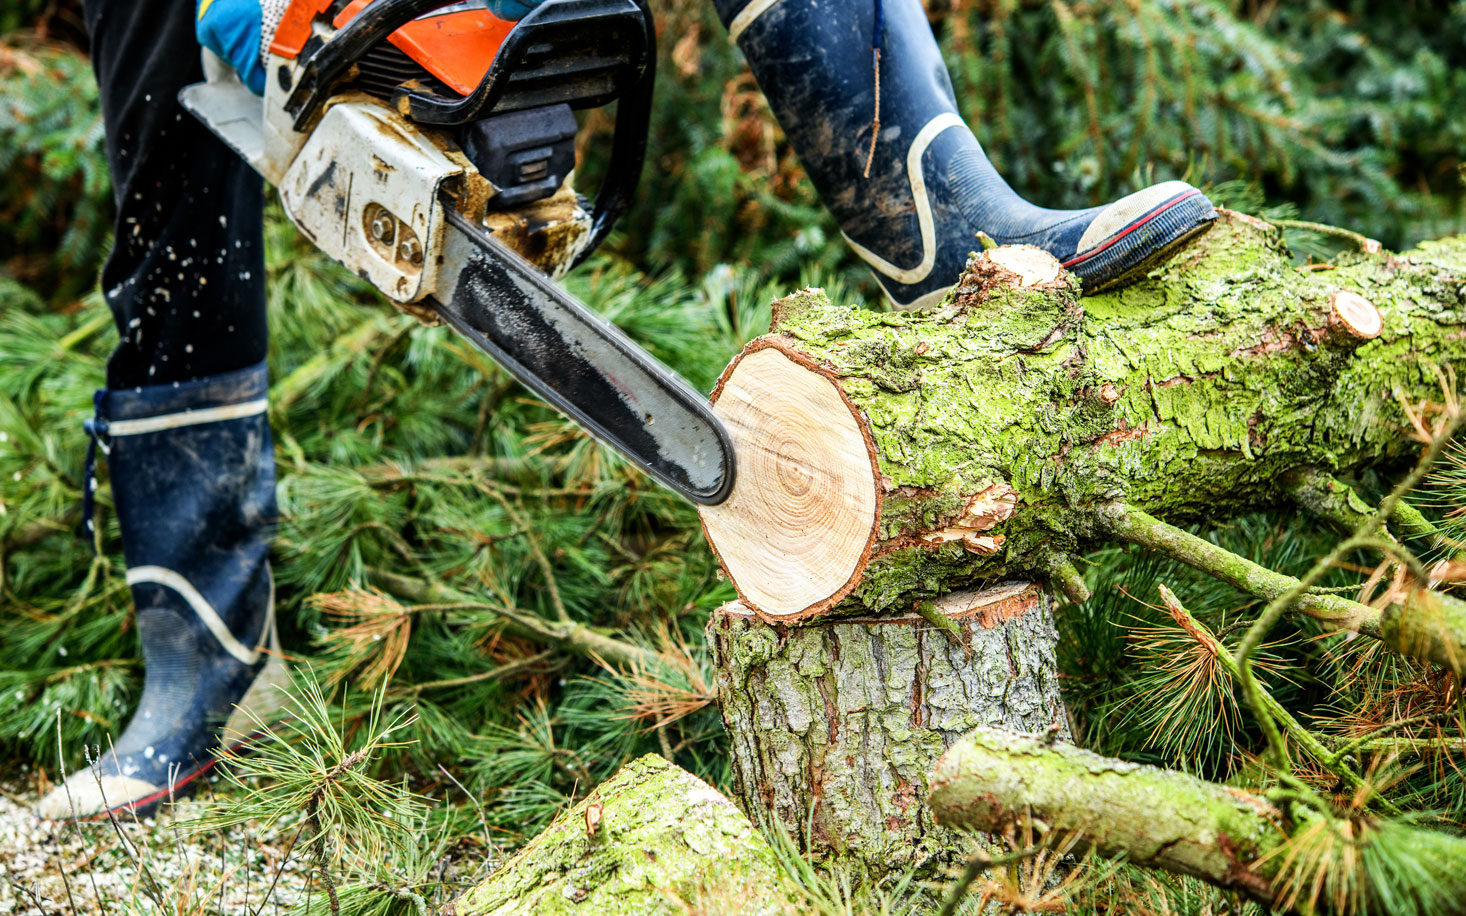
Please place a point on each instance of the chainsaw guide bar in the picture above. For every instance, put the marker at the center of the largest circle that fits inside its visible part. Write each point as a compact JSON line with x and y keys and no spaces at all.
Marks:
{"x":582,"y":364}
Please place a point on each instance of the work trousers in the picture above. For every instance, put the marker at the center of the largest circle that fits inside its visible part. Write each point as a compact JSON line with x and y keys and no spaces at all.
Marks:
{"x":185,"y":279}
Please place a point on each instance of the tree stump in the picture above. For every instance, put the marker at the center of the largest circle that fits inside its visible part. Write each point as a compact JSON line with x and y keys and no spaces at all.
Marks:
{"x":836,"y":724}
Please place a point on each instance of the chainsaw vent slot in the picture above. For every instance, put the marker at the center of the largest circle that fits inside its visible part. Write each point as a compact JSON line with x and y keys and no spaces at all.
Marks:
{"x":385,"y":66}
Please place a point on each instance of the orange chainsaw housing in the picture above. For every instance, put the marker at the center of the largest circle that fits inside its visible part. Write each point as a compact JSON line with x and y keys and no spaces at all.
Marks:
{"x":455,"y":47}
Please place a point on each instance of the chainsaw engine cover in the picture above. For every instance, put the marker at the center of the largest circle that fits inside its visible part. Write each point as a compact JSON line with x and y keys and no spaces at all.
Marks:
{"x":364,"y":188}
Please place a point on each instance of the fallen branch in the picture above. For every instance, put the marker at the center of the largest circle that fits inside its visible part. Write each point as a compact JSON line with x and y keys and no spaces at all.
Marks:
{"x":567,"y":636}
{"x":1422,"y":624}
{"x":1296,"y":859}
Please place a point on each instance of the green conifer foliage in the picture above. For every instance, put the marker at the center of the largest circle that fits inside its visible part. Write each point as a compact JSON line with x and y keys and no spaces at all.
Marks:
{"x":459,"y":562}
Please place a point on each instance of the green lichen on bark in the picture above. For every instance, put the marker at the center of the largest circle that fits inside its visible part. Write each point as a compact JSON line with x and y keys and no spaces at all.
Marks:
{"x":1188,"y":395}
{"x":662,"y":842}
{"x":1428,"y":625}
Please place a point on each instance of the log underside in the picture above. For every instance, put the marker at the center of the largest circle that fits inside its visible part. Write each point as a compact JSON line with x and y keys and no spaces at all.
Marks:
{"x":886,"y":458}
{"x":834,"y":728}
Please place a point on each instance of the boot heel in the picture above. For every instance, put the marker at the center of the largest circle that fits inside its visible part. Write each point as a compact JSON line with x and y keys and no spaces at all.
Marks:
{"x":263,"y":701}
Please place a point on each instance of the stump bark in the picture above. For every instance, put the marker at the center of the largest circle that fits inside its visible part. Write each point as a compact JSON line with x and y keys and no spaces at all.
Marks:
{"x":836,"y":724}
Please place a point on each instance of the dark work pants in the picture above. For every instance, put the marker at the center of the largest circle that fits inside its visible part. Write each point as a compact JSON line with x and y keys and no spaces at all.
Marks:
{"x":185,"y":279}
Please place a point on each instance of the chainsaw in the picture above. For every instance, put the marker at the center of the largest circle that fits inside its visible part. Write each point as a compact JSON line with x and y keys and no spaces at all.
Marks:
{"x":429,"y":146}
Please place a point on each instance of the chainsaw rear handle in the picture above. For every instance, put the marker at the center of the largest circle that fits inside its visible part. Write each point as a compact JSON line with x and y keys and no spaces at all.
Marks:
{"x":583,"y":53}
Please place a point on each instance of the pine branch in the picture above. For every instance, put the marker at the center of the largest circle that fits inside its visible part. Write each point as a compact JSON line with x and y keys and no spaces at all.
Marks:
{"x":571,"y":637}
{"x":1311,"y":743}
{"x":1129,"y":524}
{"x":1422,"y":624}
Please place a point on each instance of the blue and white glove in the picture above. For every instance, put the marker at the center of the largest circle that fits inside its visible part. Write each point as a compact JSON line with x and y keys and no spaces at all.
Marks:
{"x":231,"y":29}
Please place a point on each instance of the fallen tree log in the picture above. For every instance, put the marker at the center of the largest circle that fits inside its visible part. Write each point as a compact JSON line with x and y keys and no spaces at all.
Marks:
{"x":885,"y":459}
{"x":835,"y":725}
{"x":1283,"y":856}
{"x":653,"y":839}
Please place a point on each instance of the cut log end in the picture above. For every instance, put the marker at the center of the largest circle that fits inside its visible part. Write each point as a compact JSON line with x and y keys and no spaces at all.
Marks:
{"x":801,"y":520}
{"x":1030,"y":266}
{"x":1355,"y":315}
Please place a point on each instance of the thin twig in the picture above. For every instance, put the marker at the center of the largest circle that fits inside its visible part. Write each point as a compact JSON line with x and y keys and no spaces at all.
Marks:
{"x":1362,"y":242}
{"x":576,"y":638}
{"x":478,"y":807}
{"x":71,"y":805}
{"x":978,"y":864}
{"x":502,"y":672}
{"x":150,"y":888}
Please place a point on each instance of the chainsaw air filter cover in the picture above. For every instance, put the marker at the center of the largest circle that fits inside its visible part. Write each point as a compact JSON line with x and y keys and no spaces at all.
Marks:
{"x":526,"y":155}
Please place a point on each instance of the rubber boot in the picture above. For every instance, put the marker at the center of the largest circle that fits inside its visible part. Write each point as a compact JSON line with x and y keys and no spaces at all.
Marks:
{"x":193,"y":479}
{"x":912,"y":206}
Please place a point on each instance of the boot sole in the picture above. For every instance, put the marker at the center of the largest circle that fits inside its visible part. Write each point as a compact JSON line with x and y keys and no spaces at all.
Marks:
{"x":1128,"y":255}
{"x":244,"y":728}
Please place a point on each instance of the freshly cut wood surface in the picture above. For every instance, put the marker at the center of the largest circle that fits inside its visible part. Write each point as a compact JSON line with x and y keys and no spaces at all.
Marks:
{"x":798,"y":526}
{"x":1356,"y":314}
{"x":1032,"y":266}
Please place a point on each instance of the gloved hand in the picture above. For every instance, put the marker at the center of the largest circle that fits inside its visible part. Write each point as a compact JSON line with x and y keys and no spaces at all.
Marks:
{"x":231,"y":29}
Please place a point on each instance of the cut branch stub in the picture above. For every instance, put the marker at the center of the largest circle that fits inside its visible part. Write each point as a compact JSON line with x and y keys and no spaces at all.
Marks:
{"x":1354,"y":315}
{"x":1021,"y":267}
{"x":887,"y":458}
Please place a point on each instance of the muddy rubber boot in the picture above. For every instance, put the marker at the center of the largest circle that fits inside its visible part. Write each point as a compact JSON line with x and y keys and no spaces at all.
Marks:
{"x":193,"y":479}
{"x":914,"y":217}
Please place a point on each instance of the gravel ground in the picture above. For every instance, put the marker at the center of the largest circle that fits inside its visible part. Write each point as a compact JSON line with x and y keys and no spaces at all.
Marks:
{"x":50,"y":868}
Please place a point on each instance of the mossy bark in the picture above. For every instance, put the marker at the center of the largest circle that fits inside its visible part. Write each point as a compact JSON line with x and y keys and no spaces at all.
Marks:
{"x":1156,"y":818}
{"x":835,"y":724}
{"x":1189,"y":395}
{"x":653,"y":840}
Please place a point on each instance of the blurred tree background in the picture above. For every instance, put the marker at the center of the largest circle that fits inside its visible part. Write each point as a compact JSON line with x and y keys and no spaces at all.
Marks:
{"x":443,"y":532}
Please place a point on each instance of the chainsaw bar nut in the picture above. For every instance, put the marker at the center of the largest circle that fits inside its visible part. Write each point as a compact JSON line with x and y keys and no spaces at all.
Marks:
{"x":382,"y":226}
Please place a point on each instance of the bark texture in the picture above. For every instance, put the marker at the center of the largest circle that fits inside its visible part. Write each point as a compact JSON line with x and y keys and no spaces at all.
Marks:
{"x":1293,"y":861}
{"x":1000,"y":422}
{"x":835,"y":725}
{"x":1157,"y":818}
{"x":653,"y":840}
